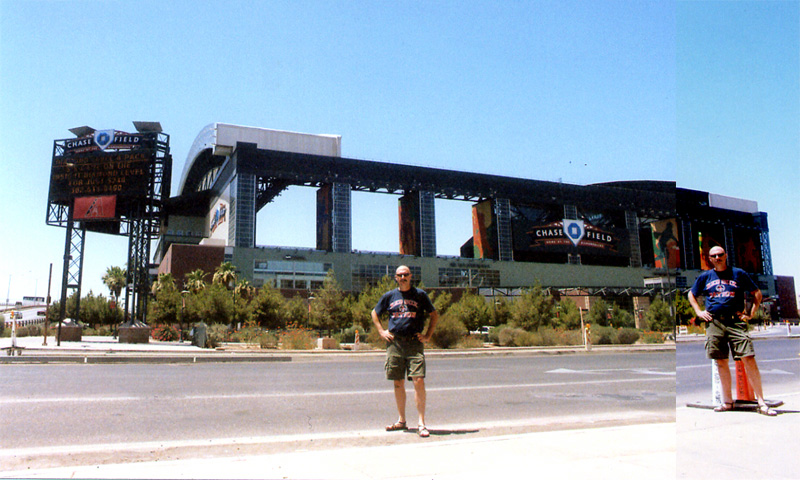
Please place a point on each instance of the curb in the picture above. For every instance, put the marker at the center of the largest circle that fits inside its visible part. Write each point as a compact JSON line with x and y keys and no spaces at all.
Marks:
{"x":168,"y":357}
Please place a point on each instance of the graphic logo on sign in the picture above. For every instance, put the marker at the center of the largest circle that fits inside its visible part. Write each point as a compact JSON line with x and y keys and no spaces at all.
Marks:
{"x":103,"y":138}
{"x":574,"y":230}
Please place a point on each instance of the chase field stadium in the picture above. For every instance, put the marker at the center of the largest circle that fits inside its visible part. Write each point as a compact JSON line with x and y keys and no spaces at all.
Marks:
{"x":625,"y":241}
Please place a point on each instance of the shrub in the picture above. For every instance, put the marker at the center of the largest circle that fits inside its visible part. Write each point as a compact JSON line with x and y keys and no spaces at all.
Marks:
{"x":471,"y":341}
{"x":217,"y":333}
{"x":164,"y":333}
{"x":349,"y":334}
{"x":508,"y":336}
{"x":602,"y":335}
{"x":298,"y":338}
{"x":449,"y":331}
{"x":525,"y":338}
{"x":653,"y":337}
{"x":99,"y":331}
{"x":627,"y":336}
{"x":268,"y":340}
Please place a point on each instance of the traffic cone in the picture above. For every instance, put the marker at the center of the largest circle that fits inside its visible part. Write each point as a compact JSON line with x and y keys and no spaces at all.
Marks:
{"x":743,"y":389}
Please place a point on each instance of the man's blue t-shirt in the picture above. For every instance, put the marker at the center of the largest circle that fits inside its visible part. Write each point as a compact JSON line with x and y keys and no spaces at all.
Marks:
{"x":407,"y":310}
{"x":724,"y":291}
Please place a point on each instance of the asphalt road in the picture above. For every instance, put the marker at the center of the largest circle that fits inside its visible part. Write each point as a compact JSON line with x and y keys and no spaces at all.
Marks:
{"x":51,"y":407}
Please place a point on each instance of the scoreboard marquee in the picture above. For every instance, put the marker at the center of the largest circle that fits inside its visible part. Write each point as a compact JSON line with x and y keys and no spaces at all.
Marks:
{"x":104,"y":175}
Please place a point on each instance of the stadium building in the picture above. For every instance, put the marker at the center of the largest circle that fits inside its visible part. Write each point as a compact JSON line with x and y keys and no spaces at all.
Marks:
{"x":626,"y":240}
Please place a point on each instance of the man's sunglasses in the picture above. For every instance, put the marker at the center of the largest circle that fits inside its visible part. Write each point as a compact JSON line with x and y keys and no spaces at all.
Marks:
{"x":403,"y":275}
{"x":717,"y":255}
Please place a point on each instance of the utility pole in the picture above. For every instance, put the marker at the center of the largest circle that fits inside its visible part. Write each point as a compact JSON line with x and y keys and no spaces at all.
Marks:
{"x":47,"y":309}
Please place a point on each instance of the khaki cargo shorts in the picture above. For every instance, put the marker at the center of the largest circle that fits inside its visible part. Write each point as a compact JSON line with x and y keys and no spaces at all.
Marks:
{"x":405,"y":358}
{"x":720,"y":342}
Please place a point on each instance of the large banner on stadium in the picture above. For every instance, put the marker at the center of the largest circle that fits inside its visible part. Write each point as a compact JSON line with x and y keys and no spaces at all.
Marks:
{"x":543,"y":234}
{"x":219,"y":216}
{"x":484,"y":236}
{"x":708,"y":237}
{"x":666,"y":246}
{"x":748,"y":250}
{"x":408,"y":213}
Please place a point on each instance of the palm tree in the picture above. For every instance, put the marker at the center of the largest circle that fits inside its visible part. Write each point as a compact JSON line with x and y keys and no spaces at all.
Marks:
{"x":195,"y":281}
{"x":244,"y":290}
{"x":116,"y":278}
{"x":225,"y":274}
{"x":164,"y":283}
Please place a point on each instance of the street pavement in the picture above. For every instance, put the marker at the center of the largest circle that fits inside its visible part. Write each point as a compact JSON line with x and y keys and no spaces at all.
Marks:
{"x":619,"y":451}
{"x":742,"y":445}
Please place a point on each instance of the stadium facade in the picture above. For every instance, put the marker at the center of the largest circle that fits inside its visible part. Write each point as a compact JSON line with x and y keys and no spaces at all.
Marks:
{"x":628,"y":240}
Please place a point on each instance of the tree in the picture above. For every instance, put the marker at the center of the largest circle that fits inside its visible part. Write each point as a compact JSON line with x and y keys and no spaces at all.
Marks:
{"x":441,"y":301}
{"x":658,"y":316}
{"x":533,"y":309}
{"x":225,"y":274}
{"x":331,"y":307}
{"x":621,"y":318}
{"x":195,"y":280}
{"x":569,"y":316}
{"x":367,"y":299}
{"x":243,"y":294}
{"x":296,"y":311}
{"x":268,"y":308}
{"x":471,"y":310}
{"x":164,"y":283}
{"x":115,"y":278}
{"x":166,"y":303}
{"x":598,"y":314}
{"x":683,"y":309}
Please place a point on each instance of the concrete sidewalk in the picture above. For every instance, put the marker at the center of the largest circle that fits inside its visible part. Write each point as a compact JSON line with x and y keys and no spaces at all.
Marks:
{"x":740,"y":445}
{"x":637,"y":451}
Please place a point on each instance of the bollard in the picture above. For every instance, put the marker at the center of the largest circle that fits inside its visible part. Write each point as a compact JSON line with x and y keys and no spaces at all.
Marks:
{"x":716,"y":385}
{"x":588,"y":338}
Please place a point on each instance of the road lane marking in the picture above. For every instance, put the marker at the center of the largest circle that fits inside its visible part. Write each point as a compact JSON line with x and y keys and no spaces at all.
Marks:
{"x":643,"y":371}
{"x":84,"y":399}
{"x":760,"y":361}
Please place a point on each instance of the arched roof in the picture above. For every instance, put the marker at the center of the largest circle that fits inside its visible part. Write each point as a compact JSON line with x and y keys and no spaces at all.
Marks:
{"x":217,"y":141}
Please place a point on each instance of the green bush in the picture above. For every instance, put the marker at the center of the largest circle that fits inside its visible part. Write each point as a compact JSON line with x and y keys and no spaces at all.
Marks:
{"x":508,"y":336}
{"x":652,"y":337}
{"x":99,"y":331}
{"x":602,"y":335}
{"x":627,"y":336}
{"x":449,"y":331}
{"x":557,"y":336}
{"x":349,"y":334}
{"x":217,"y":333}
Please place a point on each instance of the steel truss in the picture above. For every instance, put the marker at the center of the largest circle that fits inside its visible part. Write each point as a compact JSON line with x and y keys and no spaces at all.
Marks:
{"x":141,"y":225}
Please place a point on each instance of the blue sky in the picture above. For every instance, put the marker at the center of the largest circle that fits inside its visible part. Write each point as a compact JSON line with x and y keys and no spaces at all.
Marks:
{"x":577,"y":91}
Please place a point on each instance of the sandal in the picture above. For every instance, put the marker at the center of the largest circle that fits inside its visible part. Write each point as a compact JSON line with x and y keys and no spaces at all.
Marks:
{"x":765,"y":409}
{"x":724,"y":407}
{"x":423,"y":432}
{"x":396,"y":426}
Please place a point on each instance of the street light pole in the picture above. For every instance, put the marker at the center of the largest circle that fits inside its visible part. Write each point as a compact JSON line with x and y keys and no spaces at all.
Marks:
{"x":47,"y":309}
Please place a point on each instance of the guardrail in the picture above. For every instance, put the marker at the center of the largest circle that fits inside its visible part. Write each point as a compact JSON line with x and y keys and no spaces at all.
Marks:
{"x":23,"y":322}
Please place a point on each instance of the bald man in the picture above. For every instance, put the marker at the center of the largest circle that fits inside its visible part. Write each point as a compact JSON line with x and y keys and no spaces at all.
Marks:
{"x":407,"y":308}
{"x":724,"y":290}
